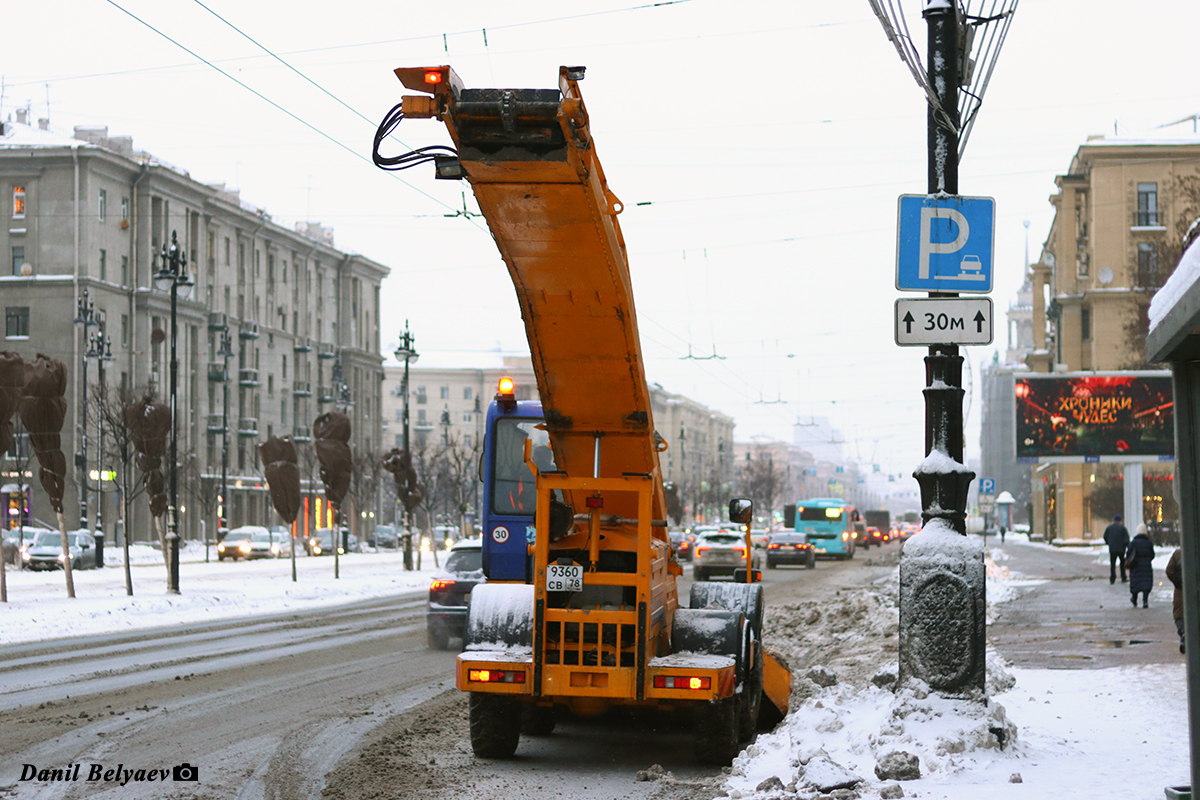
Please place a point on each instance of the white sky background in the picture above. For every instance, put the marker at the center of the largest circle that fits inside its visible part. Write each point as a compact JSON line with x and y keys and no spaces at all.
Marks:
{"x":771,"y":139}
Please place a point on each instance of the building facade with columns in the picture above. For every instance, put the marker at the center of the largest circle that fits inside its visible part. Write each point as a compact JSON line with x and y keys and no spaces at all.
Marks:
{"x":1120,"y":212}
{"x":89,"y":213}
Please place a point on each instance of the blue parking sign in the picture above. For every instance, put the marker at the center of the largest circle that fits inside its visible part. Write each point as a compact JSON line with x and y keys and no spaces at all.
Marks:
{"x":944,"y":243}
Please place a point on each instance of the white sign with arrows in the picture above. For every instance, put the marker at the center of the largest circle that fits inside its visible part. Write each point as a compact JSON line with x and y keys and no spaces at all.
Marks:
{"x":944,"y":320}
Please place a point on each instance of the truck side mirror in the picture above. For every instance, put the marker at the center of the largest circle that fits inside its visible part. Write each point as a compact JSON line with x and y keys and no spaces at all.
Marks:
{"x":741,"y":511}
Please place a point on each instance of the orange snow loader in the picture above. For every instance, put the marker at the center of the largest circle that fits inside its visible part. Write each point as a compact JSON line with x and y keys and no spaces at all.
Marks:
{"x":595,"y":622}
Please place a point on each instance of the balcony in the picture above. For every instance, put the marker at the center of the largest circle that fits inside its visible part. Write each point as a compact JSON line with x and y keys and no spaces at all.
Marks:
{"x":301,"y":389}
{"x":218,"y":322}
{"x":326,"y":351}
{"x":248,"y":426}
{"x":302,"y":433}
{"x":216,"y":423}
{"x":325,"y":394}
{"x":303,"y":345}
{"x":248,"y":377}
{"x":248,"y":330}
{"x":216,"y":371}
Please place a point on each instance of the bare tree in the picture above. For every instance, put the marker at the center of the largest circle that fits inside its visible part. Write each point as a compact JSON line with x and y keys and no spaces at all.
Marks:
{"x":364,"y":482}
{"x":109,"y":404}
{"x":763,"y":480}
{"x":460,"y":468}
{"x":204,"y":490}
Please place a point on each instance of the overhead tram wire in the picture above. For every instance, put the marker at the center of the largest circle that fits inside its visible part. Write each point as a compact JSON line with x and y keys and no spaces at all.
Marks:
{"x":273,"y":104}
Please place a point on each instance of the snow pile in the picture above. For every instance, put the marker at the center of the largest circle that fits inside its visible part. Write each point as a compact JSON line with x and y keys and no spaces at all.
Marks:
{"x":852,"y":732}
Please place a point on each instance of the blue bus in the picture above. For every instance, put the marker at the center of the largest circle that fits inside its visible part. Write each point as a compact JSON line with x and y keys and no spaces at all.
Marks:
{"x":830,"y":526}
{"x":509,"y":494}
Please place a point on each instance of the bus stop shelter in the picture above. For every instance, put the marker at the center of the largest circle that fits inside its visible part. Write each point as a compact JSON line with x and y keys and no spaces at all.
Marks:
{"x":1174,"y":339}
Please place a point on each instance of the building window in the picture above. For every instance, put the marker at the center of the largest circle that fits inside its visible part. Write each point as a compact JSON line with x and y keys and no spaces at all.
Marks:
{"x":467,"y":417}
{"x":124,"y":270}
{"x":1147,"y":270}
{"x":399,"y":415}
{"x":16,"y":322}
{"x":103,"y":265}
{"x":1147,"y":213}
{"x":466,"y":393}
{"x":124,"y":209}
{"x":18,"y":202}
{"x":421,"y":395}
{"x":421,"y":417}
{"x":124,"y":330}
{"x":18,"y":258}
{"x":444,"y":393}
{"x":1085,"y":324}
{"x":103,"y":204}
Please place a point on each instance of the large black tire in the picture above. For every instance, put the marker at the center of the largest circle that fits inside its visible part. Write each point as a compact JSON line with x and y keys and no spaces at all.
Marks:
{"x":438,"y":637}
{"x":744,"y":597}
{"x":716,"y":732}
{"x":537,"y":720}
{"x":750,"y":700}
{"x":495,"y":725}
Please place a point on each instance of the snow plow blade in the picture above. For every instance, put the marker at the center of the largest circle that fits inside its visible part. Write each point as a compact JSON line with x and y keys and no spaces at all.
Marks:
{"x":777,"y":682}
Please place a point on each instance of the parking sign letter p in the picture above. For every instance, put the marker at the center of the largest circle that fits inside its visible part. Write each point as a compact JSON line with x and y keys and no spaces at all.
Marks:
{"x":928,"y":214}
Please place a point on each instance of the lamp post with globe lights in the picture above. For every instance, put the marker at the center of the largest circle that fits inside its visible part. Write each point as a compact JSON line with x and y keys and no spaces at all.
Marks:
{"x":173,"y":277}
{"x":87,"y":316}
{"x":407,"y":352}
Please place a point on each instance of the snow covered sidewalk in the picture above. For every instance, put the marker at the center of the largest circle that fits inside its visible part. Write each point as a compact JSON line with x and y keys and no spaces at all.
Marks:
{"x":38,"y":606}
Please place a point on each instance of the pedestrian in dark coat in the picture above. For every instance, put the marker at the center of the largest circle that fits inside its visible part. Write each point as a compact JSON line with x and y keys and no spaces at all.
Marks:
{"x":1175,"y":576}
{"x":1141,"y":572}
{"x":1116,"y":536}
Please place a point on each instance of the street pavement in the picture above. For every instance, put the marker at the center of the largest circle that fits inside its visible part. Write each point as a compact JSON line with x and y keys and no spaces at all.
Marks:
{"x":1075,"y":619}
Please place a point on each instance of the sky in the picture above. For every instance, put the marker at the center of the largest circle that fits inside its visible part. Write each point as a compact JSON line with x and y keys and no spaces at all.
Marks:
{"x":1064,"y":746}
{"x":759,"y":148}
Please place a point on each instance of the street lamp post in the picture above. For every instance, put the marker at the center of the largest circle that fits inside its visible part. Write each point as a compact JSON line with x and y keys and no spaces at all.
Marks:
{"x":100,"y":348}
{"x":407,"y":353}
{"x":226,"y":352}
{"x":172,"y":277}
{"x":85,"y":315}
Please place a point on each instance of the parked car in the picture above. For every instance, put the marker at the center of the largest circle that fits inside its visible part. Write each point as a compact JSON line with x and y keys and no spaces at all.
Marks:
{"x":721,"y":553}
{"x":265,"y":544}
{"x":45,"y":551}
{"x":450,"y":591}
{"x":236,"y":543}
{"x":384,"y":536}
{"x":444,"y":536}
{"x":790,"y":547}
{"x":321,"y":542}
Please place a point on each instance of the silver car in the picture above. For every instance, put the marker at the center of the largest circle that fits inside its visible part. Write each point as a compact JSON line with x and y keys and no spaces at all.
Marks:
{"x":45,"y":551}
{"x":720,"y":554}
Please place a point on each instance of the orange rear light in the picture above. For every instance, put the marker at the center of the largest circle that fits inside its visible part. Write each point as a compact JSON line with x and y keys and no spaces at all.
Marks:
{"x":702,"y":549}
{"x":438,"y":585}
{"x":433,"y":76}
{"x":506,"y":386}
{"x":691,"y":682}
{"x":495,"y":676}
{"x":775,"y":546}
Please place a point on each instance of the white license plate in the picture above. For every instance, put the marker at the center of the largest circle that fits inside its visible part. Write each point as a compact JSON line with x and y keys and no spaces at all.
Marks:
{"x":561,"y":578}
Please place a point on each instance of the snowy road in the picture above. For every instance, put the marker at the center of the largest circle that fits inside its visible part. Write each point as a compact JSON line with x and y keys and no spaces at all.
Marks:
{"x":291,"y":704}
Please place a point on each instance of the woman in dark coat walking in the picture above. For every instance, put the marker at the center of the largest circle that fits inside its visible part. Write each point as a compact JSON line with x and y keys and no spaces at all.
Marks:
{"x":1141,"y":571}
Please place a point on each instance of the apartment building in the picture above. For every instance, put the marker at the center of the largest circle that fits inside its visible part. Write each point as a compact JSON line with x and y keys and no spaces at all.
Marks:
{"x":90,"y":214}
{"x":1120,"y":212}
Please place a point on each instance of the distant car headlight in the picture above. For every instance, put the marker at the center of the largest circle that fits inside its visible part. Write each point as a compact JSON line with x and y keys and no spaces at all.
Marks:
{"x":221,"y":547}
{"x":316,"y":549}
{"x":244,"y":547}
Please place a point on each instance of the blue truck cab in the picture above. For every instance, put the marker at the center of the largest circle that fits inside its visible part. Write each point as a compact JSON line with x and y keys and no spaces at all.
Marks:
{"x":509,"y":494}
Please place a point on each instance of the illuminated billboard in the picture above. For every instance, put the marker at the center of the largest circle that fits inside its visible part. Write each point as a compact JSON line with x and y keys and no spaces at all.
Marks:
{"x":1097,"y":416}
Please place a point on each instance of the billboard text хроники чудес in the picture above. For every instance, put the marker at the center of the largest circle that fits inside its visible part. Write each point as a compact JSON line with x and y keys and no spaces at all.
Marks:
{"x":1114,"y":416}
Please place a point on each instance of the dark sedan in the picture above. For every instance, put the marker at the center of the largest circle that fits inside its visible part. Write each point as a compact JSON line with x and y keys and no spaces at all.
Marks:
{"x":450,"y":592}
{"x":790,"y":547}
